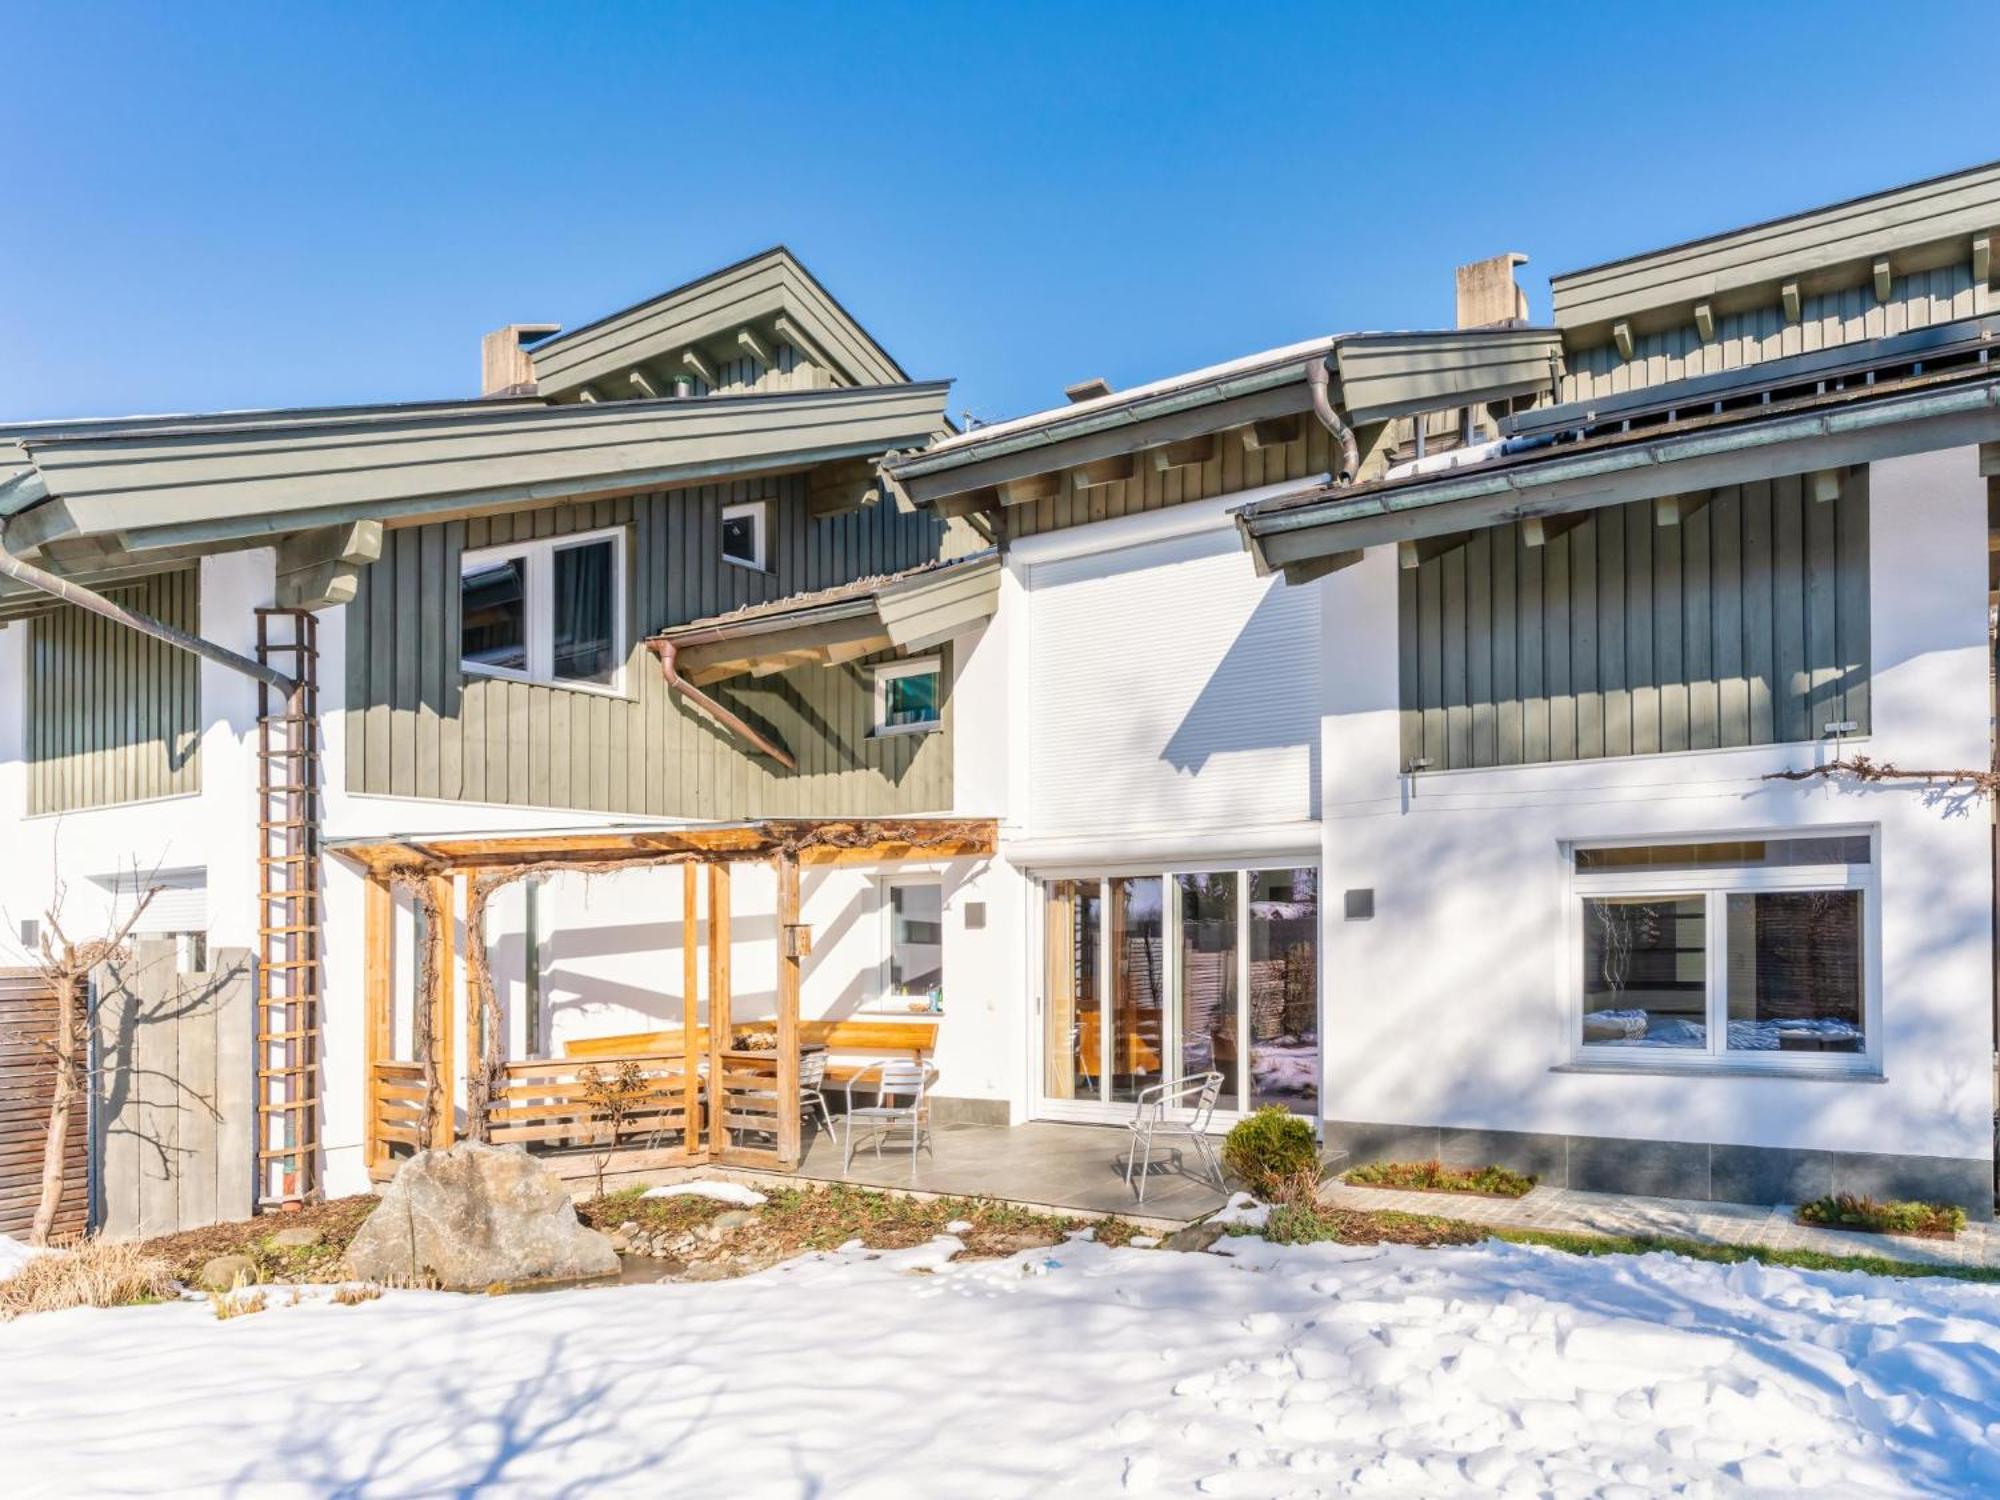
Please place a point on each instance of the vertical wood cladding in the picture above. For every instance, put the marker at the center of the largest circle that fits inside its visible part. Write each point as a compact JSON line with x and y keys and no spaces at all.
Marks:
{"x":418,"y":726}
{"x":1745,"y":624}
{"x":113,"y":716}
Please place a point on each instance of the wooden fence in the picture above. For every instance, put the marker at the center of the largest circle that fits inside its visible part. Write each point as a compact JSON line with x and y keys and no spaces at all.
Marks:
{"x":175,"y":1096}
{"x":27,"y":1085}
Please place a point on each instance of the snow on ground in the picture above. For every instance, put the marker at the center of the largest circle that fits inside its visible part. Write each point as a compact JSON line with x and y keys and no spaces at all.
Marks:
{"x":1260,"y":1372}
{"x":14,"y":1255}
{"x":721,"y":1192}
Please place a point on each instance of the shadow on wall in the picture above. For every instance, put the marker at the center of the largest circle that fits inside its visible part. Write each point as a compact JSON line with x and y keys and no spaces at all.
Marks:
{"x":1263,"y":694}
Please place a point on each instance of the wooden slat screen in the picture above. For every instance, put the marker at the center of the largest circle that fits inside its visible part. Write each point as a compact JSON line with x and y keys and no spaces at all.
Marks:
{"x":27,"y":1085}
{"x":1745,"y":624}
{"x":113,"y":716}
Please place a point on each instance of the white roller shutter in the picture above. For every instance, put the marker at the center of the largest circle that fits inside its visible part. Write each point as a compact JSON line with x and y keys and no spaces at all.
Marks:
{"x":1170,"y":687}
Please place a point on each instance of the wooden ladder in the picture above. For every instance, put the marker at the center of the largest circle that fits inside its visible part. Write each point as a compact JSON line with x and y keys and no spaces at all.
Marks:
{"x":288,"y":913}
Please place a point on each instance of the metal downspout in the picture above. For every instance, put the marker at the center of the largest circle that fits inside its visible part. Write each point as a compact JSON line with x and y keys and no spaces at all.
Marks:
{"x":666,"y":652}
{"x":83,"y":598}
{"x":1318,"y":378}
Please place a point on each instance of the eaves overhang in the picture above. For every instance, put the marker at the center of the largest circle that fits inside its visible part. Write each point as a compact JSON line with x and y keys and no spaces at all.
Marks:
{"x":905,"y":612}
{"x":183,"y":482}
{"x":1840,"y":428}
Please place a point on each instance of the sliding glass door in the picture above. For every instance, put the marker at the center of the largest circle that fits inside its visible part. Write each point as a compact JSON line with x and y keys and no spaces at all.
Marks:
{"x":1162,"y":978}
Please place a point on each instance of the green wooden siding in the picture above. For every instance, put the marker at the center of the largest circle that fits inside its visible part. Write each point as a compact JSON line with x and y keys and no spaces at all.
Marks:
{"x":1749,"y":337}
{"x":113,"y":716}
{"x":418,"y":727}
{"x":1746,"y":624}
{"x":1233,"y":467}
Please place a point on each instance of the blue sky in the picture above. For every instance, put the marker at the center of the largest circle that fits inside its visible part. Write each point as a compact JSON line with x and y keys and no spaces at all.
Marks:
{"x":223,"y":206}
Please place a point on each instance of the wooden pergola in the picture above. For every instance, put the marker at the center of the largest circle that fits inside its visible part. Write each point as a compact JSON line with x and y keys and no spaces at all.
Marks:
{"x":704,"y":1094}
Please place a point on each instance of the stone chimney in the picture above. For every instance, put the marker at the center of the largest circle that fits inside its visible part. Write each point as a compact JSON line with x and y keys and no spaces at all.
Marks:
{"x":1487,"y":295}
{"x":504,"y":366}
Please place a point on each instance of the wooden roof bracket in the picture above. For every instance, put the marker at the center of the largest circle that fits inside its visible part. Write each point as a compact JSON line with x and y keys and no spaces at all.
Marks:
{"x":728,"y":720}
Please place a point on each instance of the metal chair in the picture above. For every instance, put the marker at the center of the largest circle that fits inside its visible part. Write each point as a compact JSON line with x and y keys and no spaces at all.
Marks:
{"x":1076,"y":1051}
{"x":812,"y":1079}
{"x":1150,"y":1122}
{"x":895,"y":1079}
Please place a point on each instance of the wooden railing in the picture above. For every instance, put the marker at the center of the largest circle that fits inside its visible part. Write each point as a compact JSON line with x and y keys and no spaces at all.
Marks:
{"x":396,"y":1093}
{"x":748,"y":1090}
{"x":545,"y":1104}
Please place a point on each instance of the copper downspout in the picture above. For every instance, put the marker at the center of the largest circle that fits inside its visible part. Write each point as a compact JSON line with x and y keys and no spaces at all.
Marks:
{"x":667,"y":653}
{"x":1350,"y":455}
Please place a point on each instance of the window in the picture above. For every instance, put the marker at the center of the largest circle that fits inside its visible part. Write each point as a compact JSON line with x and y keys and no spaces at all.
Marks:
{"x":546,"y":611}
{"x":908,"y":696}
{"x":916,"y":941}
{"x":1749,"y":951}
{"x":743,"y":528}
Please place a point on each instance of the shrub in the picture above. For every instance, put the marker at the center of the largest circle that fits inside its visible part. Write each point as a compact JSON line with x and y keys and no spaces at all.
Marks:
{"x":354,"y":1296}
{"x":96,"y":1273}
{"x":1435,"y":1176}
{"x":1855,"y":1211}
{"x":1275,"y":1153}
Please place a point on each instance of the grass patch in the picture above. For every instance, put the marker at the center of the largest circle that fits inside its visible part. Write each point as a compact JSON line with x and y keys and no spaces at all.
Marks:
{"x":1941,"y":1221}
{"x":94,"y":1273}
{"x":337,"y":1221}
{"x":799,"y":1219}
{"x":1302,"y":1223}
{"x":1434,"y":1176}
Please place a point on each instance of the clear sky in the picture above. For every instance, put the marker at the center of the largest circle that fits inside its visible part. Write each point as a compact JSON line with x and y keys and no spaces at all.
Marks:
{"x":266,"y":205}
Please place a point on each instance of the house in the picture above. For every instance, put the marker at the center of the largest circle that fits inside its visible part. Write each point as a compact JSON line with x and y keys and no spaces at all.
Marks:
{"x":415,"y":624}
{"x":1472,"y":738}
{"x":1497,"y":685}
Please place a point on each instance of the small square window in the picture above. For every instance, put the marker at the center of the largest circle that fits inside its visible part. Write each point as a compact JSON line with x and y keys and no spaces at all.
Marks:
{"x":743,"y":539}
{"x":909,"y":697}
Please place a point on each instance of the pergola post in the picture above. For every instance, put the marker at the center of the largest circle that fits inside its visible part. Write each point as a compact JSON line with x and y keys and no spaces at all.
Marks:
{"x":718,"y":1006}
{"x":378,"y":972}
{"x":691,"y":1005}
{"x":444,"y":921}
{"x":791,"y":945}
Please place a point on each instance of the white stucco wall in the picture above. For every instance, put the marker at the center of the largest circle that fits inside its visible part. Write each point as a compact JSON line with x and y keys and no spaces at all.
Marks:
{"x":1451,"y":1005}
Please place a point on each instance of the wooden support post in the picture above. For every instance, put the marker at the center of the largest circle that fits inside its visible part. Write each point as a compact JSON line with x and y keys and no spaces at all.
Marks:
{"x":478,"y":1104}
{"x":378,"y":972}
{"x":790,"y":955}
{"x":718,"y":1003}
{"x":444,"y":904}
{"x":691,"y":1006}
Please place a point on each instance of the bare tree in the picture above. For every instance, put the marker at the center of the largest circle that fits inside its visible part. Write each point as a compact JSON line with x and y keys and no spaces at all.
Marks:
{"x":66,"y":965}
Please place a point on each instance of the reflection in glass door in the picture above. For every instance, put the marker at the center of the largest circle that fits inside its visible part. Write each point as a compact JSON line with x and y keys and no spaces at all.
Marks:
{"x":1206,"y":973}
{"x":1284,"y":989}
{"x":1072,"y":1012}
{"x":1138,"y":978}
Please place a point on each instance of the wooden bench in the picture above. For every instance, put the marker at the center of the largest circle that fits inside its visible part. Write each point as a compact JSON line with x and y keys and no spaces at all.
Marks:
{"x":883,"y":1038}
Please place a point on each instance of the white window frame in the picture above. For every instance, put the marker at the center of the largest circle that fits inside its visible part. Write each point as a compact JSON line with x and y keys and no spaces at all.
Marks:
{"x":539,"y":554}
{"x":889,"y":672}
{"x":1716,"y":884}
{"x":759,"y":512}
{"x":887,"y":994}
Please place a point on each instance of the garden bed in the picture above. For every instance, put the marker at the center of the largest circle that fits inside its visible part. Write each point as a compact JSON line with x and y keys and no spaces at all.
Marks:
{"x":1862,"y":1215}
{"x":1435,"y":1177}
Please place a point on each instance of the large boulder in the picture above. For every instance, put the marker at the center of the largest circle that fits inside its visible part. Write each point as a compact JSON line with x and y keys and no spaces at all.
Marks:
{"x":473,"y":1217}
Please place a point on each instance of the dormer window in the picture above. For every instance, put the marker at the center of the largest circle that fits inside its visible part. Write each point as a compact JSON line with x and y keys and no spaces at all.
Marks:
{"x":744,"y":530}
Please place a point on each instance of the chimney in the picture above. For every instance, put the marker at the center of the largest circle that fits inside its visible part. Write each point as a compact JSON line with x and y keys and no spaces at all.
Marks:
{"x":1487,"y":295}
{"x":505,"y":368}
{"x":1088,"y":390}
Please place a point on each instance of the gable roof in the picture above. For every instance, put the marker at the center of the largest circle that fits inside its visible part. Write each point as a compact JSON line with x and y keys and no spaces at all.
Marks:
{"x":1918,"y":225}
{"x":771,"y":293}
